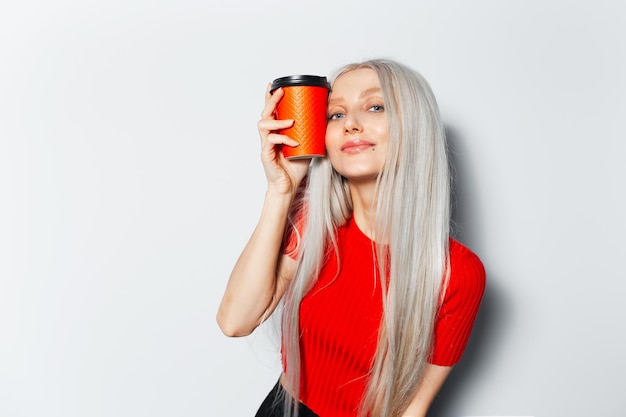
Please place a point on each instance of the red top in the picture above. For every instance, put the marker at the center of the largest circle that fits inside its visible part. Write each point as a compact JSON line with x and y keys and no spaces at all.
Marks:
{"x":340,"y":318}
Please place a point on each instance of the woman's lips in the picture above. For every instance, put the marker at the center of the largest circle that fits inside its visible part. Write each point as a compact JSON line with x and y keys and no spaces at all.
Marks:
{"x":356,"y":146}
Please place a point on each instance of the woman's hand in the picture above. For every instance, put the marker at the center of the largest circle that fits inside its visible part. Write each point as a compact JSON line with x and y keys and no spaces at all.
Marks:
{"x":283,"y":176}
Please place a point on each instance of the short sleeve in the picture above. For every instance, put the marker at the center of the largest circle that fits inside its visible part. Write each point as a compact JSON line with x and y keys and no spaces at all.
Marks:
{"x":458,"y":310}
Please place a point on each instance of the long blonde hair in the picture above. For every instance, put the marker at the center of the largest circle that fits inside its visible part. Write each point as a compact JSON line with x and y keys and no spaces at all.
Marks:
{"x":412,"y":215}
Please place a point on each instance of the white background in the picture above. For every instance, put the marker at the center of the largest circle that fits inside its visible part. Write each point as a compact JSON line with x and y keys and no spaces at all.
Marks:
{"x":130,"y":181}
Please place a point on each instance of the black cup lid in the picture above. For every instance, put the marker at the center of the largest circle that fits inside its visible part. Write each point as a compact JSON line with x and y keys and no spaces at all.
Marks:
{"x":295,"y":80}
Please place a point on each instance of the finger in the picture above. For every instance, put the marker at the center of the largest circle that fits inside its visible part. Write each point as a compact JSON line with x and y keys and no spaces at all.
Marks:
{"x":278,"y":139}
{"x":268,"y":92}
{"x":271,"y":100}
{"x":268,"y":125}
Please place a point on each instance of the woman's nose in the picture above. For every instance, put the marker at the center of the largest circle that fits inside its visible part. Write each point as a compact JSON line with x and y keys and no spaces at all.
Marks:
{"x":351,"y":124}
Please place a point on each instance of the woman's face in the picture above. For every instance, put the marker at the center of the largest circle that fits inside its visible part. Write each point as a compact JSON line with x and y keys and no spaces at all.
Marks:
{"x":356,"y":134}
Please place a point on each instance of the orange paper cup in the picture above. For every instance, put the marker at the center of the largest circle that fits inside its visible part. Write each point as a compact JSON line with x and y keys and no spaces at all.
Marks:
{"x":305,"y":100}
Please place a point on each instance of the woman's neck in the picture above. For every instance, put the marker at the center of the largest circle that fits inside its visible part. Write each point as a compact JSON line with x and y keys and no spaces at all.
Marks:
{"x":363,"y":207}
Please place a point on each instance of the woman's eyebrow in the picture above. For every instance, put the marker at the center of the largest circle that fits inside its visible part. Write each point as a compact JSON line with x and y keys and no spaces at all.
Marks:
{"x":363,"y":93}
{"x":370,"y":91}
{"x":334,"y":100}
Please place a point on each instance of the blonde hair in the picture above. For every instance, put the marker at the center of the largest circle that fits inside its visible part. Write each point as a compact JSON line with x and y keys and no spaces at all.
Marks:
{"x":412,"y":215}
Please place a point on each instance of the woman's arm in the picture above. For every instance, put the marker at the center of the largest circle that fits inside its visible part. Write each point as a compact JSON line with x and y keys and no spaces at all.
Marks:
{"x":261,"y":273}
{"x":434,"y":378}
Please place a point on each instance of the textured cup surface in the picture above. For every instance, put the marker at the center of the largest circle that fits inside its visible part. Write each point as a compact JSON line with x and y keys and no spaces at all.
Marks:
{"x":307,"y":106}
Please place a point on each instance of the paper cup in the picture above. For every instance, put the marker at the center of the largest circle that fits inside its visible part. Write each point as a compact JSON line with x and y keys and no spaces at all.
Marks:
{"x":305,"y":100}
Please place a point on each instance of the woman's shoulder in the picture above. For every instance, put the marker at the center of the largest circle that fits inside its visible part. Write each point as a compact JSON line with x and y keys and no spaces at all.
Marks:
{"x":460,"y":304}
{"x":467,"y":272}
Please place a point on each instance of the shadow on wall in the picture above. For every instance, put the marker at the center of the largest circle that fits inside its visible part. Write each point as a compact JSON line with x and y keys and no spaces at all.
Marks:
{"x":466,"y":228}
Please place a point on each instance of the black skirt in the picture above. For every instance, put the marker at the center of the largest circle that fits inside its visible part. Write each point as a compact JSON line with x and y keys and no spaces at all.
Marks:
{"x":274,"y":404}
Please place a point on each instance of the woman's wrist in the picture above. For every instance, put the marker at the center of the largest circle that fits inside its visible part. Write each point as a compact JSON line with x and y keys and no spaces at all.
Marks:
{"x":278,"y":202}
{"x":280,"y":193}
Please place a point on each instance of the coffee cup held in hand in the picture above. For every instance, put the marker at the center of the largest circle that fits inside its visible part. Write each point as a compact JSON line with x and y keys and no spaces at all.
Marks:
{"x":305,"y":100}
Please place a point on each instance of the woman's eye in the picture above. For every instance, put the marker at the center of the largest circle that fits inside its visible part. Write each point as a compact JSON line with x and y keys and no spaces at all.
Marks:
{"x":335,"y":116}
{"x":377,"y":108}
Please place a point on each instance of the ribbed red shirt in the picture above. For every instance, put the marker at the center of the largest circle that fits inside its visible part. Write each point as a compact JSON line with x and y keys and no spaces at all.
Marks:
{"x":340,"y":318}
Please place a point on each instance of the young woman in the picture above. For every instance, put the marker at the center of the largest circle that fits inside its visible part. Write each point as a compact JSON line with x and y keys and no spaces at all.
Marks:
{"x":378,"y":300}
